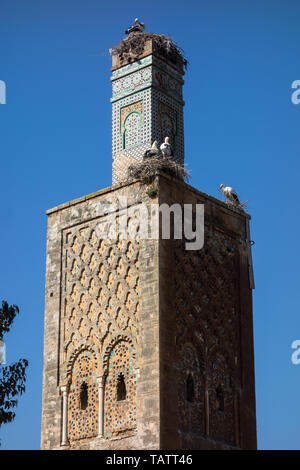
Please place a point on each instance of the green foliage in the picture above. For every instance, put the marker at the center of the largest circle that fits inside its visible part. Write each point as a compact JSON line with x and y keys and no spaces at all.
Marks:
{"x":7,"y":315}
{"x":12,"y":383}
{"x":12,"y":377}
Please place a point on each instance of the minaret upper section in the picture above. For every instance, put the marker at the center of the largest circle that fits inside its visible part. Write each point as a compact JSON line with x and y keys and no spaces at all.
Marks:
{"x":147,"y":103}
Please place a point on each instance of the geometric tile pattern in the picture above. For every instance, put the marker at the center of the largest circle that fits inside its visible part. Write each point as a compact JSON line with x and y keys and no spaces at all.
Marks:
{"x":83,"y":423}
{"x":120,"y":415}
{"x":137,"y":108}
{"x":168,"y":119}
{"x":132,"y":130}
{"x":151,"y":90}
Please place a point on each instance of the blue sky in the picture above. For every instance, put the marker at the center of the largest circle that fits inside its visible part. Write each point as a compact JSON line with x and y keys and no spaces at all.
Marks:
{"x":241,"y":128}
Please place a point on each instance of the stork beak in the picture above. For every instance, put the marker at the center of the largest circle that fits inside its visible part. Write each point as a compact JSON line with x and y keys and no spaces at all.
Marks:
{"x":220,"y":187}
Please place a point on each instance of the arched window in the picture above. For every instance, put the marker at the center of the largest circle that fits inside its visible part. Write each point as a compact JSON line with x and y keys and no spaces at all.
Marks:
{"x":121,"y":388}
{"x":83,"y":397}
{"x":132,"y":130}
{"x":190,"y":389}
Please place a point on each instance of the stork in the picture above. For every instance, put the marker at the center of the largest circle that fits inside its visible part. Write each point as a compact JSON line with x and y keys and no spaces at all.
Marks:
{"x":166,"y":149}
{"x":152,"y":152}
{"x":230,"y":194}
{"x":138,"y":27}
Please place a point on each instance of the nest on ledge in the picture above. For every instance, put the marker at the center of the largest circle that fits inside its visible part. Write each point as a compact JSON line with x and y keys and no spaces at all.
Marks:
{"x":147,"y":169}
{"x":133,"y":46}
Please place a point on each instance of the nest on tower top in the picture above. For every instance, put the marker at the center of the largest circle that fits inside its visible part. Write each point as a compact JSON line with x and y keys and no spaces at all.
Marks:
{"x":146,"y":170}
{"x":130,"y":48}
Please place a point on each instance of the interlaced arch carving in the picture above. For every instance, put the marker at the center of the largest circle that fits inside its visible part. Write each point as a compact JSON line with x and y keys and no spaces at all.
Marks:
{"x":99,"y":300}
{"x":206,"y":286}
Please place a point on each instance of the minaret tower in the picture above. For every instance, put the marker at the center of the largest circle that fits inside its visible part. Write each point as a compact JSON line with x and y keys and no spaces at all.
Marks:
{"x":147,"y":103}
{"x":148,"y":344}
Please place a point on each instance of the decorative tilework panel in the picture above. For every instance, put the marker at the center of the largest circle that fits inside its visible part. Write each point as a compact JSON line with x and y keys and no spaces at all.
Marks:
{"x":167,"y":116}
{"x":120,"y":416}
{"x":136,"y":107}
{"x":131,"y":83}
{"x":157,"y":88}
{"x":142,"y":102}
{"x":83,"y":423}
{"x":132,"y":130}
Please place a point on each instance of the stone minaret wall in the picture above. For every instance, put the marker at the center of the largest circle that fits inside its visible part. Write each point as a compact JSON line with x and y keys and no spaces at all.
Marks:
{"x":158,"y":315}
{"x":147,"y":105}
{"x":206,"y":330}
{"x":101,"y":326}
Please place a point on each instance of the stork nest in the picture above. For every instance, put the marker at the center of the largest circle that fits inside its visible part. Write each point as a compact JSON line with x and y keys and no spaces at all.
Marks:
{"x":130,"y":48}
{"x":147,"y":169}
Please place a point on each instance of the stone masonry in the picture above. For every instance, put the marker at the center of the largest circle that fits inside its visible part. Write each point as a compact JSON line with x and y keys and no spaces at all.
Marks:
{"x":182,"y":313}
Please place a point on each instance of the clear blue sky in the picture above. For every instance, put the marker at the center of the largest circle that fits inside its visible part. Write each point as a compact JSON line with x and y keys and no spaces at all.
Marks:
{"x":241,"y":128}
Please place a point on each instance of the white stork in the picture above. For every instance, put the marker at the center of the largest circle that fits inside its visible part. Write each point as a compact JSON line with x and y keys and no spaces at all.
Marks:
{"x":152,"y":152}
{"x":166,"y":149}
{"x":138,"y":27}
{"x":230,"y":194}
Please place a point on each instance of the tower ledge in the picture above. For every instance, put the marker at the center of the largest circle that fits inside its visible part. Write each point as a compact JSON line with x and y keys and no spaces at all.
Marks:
{"x":206,"y":197}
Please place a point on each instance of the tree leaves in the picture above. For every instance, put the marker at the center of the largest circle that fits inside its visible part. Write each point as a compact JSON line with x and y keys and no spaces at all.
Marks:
{"x":7,"y":315}
{"x":12,"y":377}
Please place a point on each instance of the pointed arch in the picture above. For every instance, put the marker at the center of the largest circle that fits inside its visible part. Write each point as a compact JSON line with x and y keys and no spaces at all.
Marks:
{"x":120,"y":387}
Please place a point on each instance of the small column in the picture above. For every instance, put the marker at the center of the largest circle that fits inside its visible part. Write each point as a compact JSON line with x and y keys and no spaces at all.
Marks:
{"x":100,"y":381}
{"x":64,"y":391}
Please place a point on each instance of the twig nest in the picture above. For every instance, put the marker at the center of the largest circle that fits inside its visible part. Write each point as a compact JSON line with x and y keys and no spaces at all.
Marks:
{"x":147,"y":169}
{"x":133,"y":46}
